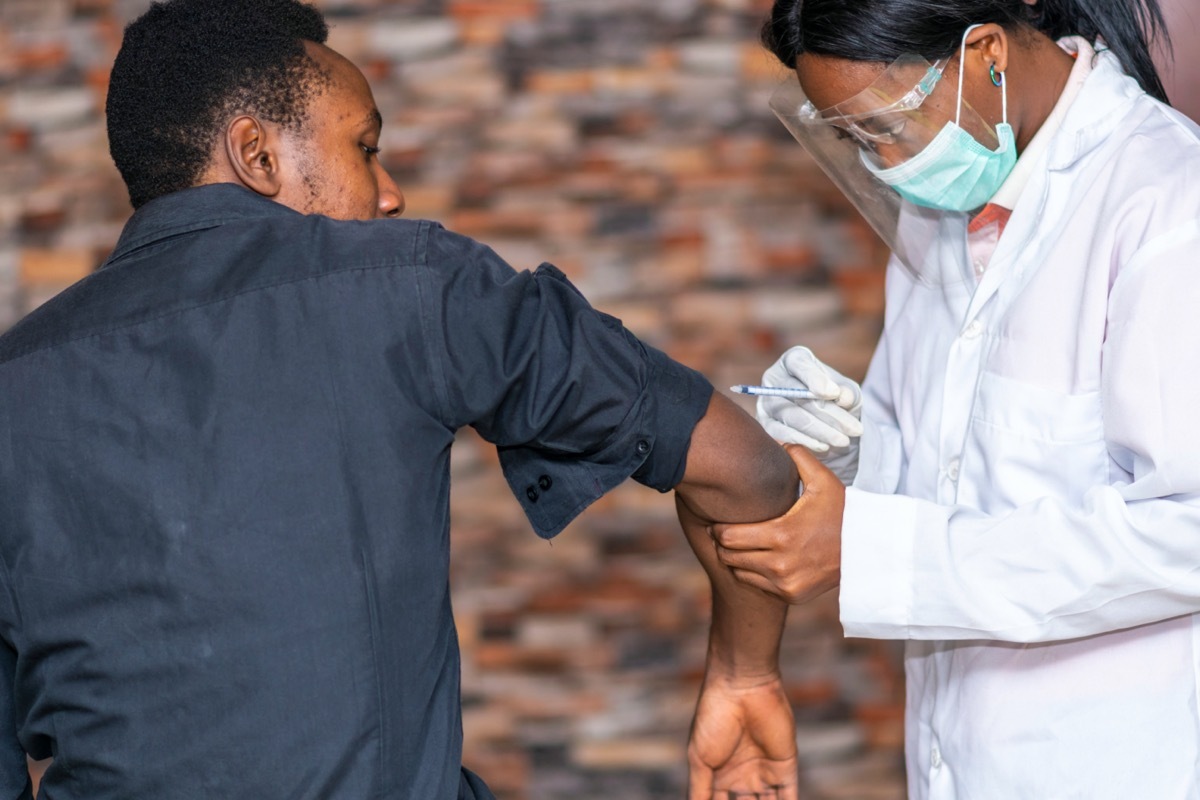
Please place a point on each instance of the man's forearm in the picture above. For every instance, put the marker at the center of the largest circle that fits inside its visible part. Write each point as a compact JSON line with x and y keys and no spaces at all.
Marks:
{"x":735,"y":471}
{"x":747,"y":623}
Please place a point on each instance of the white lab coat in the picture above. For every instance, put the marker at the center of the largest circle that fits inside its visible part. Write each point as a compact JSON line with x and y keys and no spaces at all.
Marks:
{"x":1027,"y":509}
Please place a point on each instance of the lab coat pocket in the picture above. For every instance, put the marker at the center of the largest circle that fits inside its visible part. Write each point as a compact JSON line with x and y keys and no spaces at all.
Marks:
{"x":880,"y":458}
{"x":1028,"y":442}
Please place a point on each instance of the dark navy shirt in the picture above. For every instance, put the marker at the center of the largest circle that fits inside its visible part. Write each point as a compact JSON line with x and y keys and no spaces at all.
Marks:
{"x":224,"y":495}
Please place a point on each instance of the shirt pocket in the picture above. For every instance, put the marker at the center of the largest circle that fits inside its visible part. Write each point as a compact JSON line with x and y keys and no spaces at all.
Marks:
{"x":1027,"y":442}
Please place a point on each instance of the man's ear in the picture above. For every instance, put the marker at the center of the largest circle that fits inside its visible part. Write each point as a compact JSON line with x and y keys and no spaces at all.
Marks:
{"x":251,"y":150}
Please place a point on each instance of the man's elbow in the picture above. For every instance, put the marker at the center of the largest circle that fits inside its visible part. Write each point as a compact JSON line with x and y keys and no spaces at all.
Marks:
{"x":767,"y":490}
{"x":780,"y":482}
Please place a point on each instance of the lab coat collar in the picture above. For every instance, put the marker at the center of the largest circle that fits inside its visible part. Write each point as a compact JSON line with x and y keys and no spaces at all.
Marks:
{"x":1099,"y":109}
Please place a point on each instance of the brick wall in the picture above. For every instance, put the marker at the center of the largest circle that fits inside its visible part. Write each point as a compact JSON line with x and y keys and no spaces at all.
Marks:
{"x":627,"y":141}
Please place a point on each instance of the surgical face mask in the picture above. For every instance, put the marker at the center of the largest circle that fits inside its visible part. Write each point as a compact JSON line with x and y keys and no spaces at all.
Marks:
{"x":954,"y":172}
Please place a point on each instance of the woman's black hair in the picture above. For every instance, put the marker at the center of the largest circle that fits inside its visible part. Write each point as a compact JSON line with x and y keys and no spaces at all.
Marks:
{"x":884,"y":30}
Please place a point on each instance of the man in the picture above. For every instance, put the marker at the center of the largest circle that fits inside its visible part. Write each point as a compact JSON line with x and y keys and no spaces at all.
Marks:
{"x":224,"y":458}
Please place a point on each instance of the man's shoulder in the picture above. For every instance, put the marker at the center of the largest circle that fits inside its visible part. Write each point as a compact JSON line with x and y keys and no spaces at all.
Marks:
{"x":333,"y":245}
{"x":170,"y":270}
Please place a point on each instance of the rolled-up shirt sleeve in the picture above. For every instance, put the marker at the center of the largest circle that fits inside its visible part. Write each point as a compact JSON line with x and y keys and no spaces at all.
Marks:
{"x":574,"y":402}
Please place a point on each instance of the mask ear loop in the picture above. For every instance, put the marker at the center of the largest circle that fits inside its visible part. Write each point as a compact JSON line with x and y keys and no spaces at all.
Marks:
{"x":1004,"y":95}
{"x":962,"y":57}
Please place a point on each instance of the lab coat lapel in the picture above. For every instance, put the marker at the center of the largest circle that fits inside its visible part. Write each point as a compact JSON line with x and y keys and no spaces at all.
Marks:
{"x":1093,"y":118}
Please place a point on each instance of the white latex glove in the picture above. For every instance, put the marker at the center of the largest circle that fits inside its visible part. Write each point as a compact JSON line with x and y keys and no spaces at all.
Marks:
{"x":830,"y":426}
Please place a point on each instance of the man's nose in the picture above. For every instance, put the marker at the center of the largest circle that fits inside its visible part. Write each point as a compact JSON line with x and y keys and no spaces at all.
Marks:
{"x":391,"y":199}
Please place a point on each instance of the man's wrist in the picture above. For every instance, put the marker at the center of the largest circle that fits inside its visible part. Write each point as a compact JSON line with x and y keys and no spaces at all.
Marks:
{"x":728,"y":667}
{"x":721,"y":677}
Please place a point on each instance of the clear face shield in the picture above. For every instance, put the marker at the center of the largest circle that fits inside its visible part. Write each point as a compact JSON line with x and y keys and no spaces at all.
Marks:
{"x":887,"y":124}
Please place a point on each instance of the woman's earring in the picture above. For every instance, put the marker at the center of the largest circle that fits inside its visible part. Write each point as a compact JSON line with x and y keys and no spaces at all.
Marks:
{"x":997,"y":81}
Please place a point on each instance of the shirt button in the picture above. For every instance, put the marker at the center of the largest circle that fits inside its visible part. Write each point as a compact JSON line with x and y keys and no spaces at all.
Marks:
{"x":532,"y":494}
{"x":952,"y":470}
{"x":545,"y":483}
{"x":979,"y":267}
{"x":935,"y":757}
{"x":974,"y":330}
{"x":643,"y":447}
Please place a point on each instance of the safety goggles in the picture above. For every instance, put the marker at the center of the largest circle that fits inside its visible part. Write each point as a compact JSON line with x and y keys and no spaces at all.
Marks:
{"x":879,"y":114}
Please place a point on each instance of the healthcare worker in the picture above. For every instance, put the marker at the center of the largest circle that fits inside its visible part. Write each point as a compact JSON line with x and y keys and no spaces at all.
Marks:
{"x":1024,"y":506}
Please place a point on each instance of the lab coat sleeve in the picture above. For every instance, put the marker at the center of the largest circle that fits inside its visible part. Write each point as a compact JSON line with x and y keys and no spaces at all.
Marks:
{"x":1128,"y":555}
{"x":880,"y":454}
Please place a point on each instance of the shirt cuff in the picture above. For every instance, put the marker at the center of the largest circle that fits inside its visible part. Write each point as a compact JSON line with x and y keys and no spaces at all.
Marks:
{"x":679,"y":399}
{"x":878,"y":537}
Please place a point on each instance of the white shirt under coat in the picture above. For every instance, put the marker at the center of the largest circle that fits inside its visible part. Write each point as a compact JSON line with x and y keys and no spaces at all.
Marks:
{"x":1027,"y":509}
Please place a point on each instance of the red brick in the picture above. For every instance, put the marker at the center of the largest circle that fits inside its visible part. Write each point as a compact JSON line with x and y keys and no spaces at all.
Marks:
{"x":51,"y":55}
{"x":18,"y":139}
{"x":561,"y":82}
{"x":483,"y":32}
{"x":508,"y":10}
{"x":425,"y":201}
{"x":819,"y":692}
{"x":59,"y":267}
{"x":757,"y":64}
{"x":506,"y":771}
{"x":883,"y":724}
{"x":626,"y":753}
{"x":482,"y":223}
{"x":862,"y":290}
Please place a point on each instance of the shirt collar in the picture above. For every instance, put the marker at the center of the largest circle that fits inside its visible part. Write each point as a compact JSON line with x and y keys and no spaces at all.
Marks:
{"x":1011,"y":189}
{"x":192,"y":210}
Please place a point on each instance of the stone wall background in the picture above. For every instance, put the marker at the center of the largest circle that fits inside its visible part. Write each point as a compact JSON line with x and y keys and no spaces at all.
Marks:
{"x":629,"y":142}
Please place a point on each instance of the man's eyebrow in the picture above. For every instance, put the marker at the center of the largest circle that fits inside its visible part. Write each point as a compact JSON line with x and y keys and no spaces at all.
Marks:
{"x":374,"y":118}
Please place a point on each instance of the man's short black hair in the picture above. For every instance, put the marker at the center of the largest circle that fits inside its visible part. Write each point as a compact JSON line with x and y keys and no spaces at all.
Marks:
{"x":186,"y":66}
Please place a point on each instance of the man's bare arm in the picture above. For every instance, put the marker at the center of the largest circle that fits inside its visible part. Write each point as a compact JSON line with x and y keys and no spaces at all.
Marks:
{"x":743,"y":738}
{"x":735,"y":471}
{"x":743,"y":734}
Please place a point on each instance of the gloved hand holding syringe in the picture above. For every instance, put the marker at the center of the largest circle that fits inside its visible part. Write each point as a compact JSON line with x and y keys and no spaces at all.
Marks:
{"x":803,"y":401}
